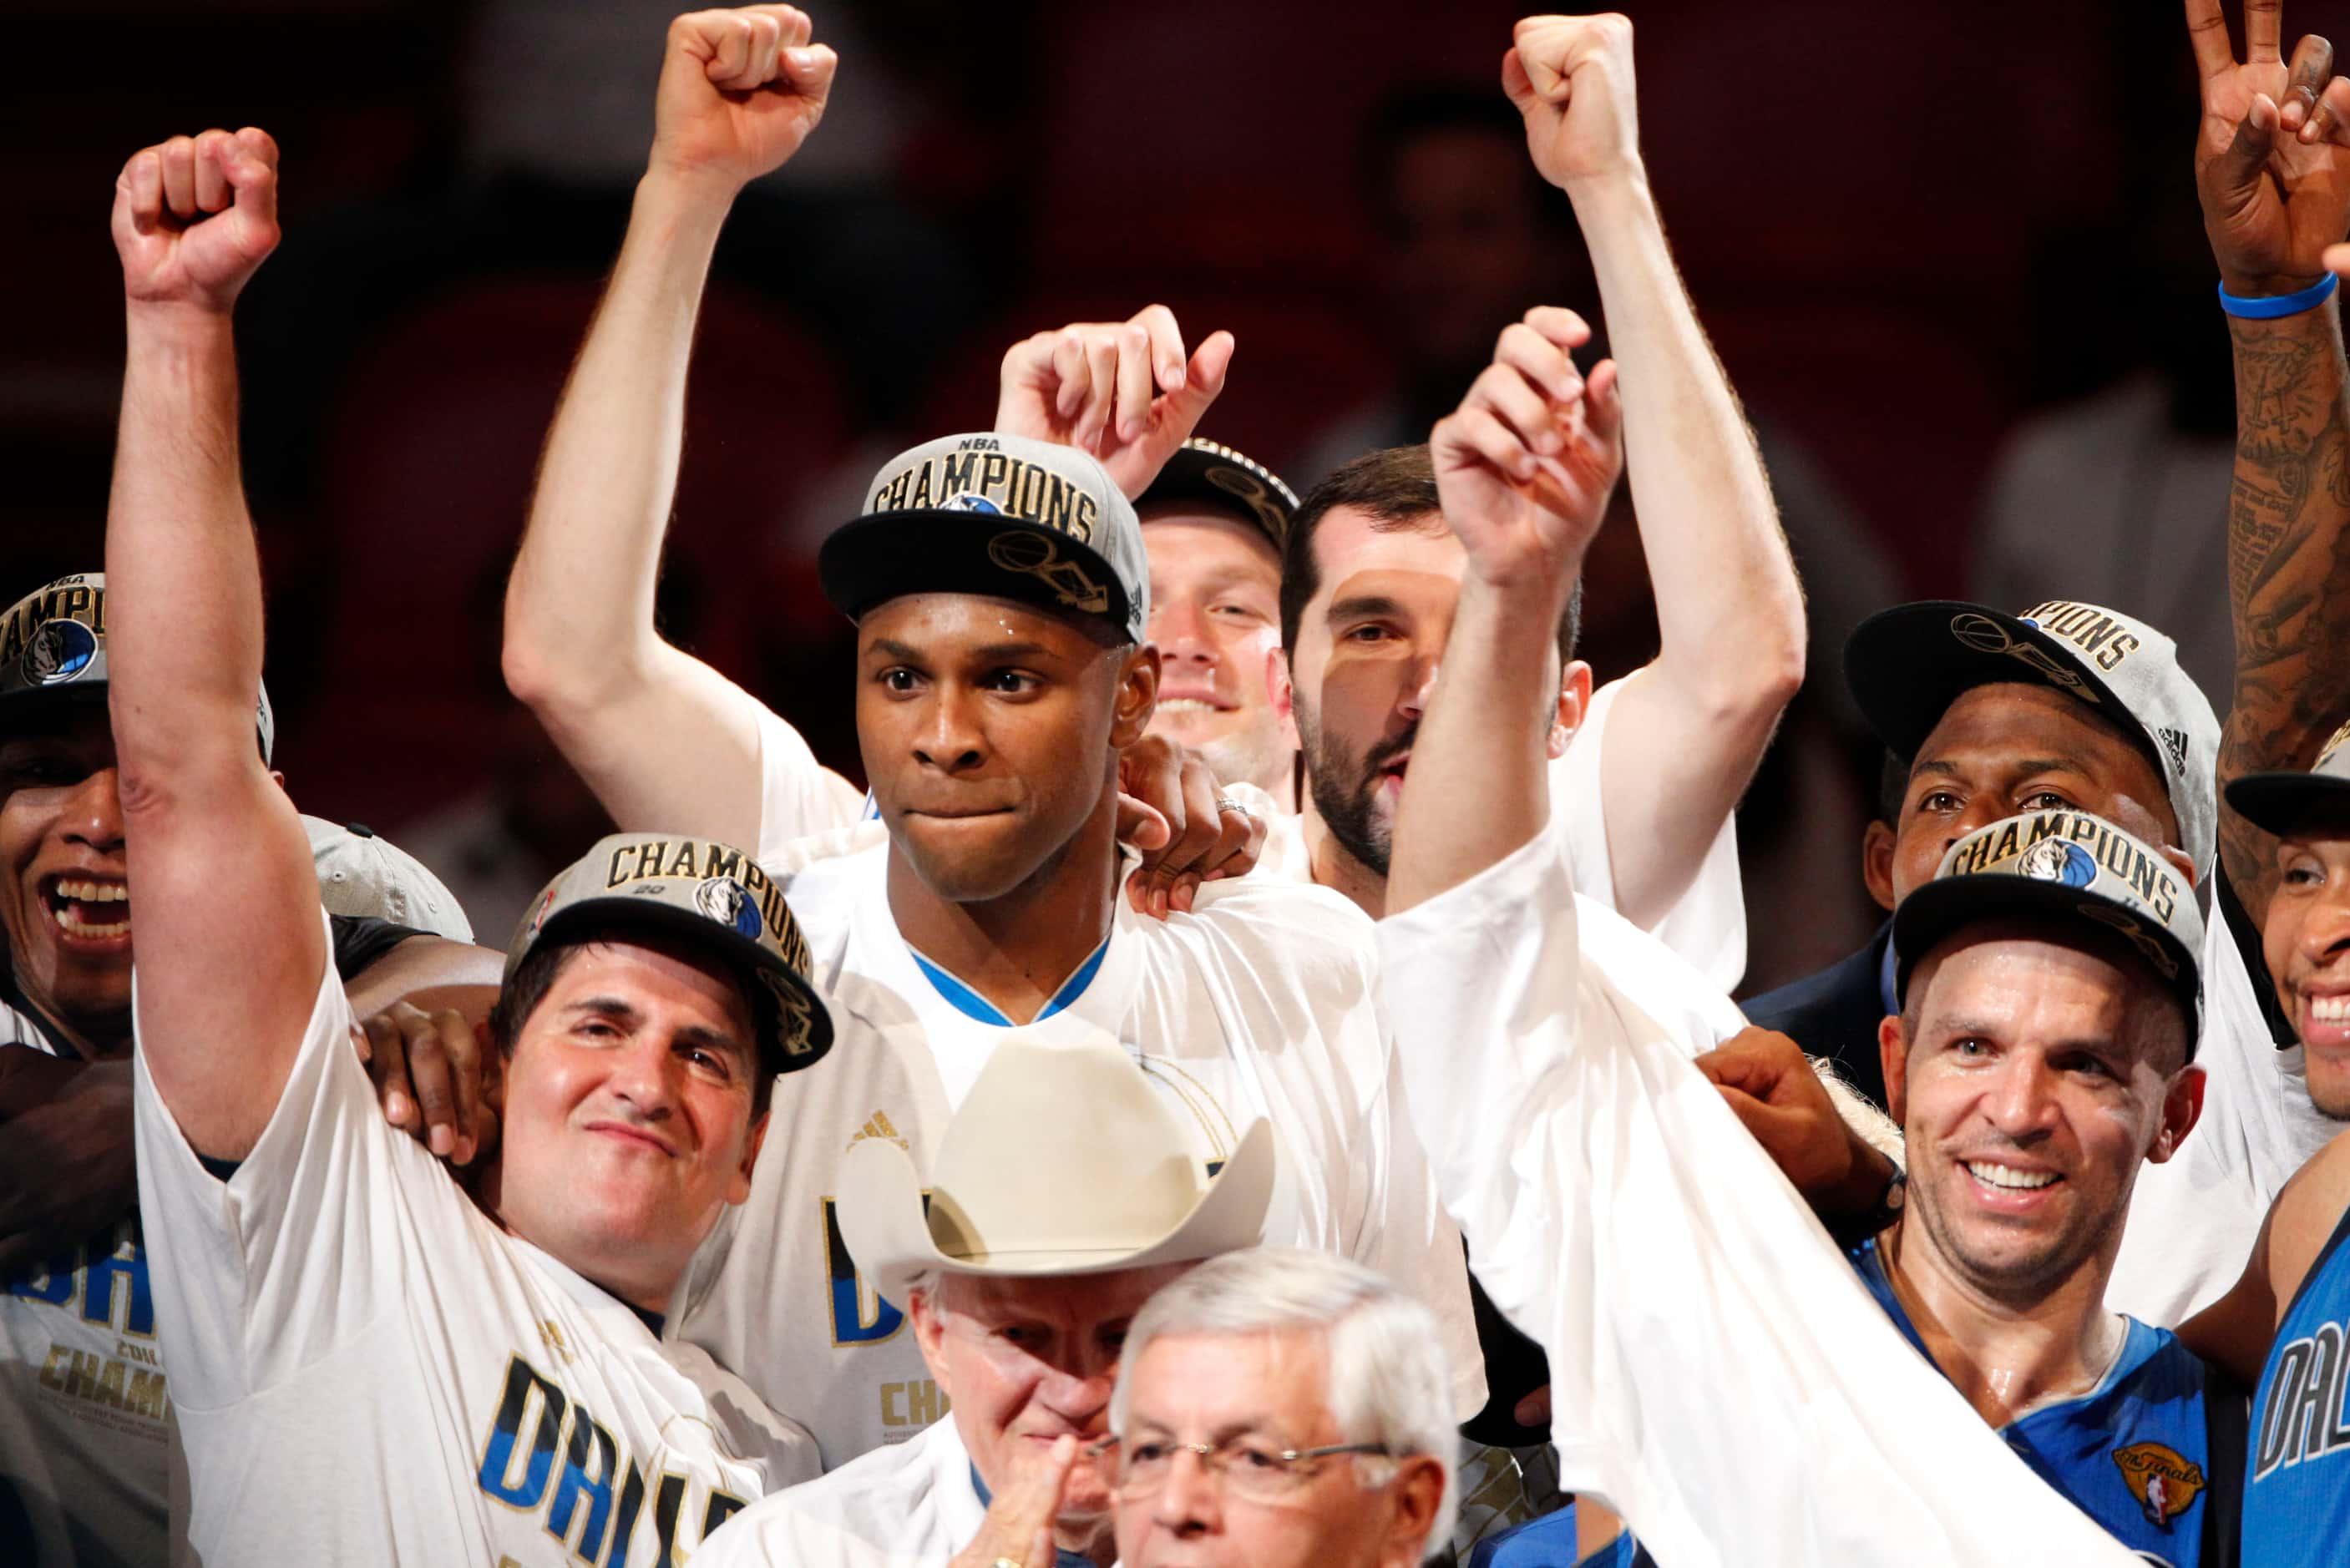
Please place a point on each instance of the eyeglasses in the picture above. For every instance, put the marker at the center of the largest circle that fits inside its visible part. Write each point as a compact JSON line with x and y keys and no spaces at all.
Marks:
{"x":1249,"y":1468}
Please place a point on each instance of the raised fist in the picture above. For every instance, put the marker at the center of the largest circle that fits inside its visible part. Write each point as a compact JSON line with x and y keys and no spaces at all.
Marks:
{"x":1525,"y":465}
{"x":1121,"y":390}
{"x":2271,"y":168}
{"x":195,"y":217}
{"x":740,"y":90}
{"x":1571,"y":77}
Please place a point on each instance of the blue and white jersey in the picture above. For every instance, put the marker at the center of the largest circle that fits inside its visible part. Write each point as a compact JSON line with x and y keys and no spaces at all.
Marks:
{"x":1550,"y":1543}
{"x":2132,"y":1453}
{"x":2297,"y":1495}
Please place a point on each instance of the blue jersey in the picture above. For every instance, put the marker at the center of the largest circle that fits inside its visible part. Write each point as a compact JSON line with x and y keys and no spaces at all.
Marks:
{"x":2131,"y":1453}
{"x":1549,"y":1542}
{"x":2297,"y":1496}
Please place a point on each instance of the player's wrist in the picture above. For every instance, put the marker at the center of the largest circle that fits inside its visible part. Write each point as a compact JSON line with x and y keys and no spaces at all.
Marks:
{"x":1620,"y":183}
{"x":192,"y":323}
{"x":687,"y":182}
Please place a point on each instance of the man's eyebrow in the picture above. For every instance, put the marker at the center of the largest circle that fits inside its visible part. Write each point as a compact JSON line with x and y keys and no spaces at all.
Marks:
{"x":1359,"y":607}
{"x":1948,"y":768}
{"x":610,"y":1006}
{"x":992,"y":651}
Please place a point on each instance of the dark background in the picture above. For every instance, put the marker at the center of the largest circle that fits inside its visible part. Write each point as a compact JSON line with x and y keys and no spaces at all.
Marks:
{"x":1907,"y":227}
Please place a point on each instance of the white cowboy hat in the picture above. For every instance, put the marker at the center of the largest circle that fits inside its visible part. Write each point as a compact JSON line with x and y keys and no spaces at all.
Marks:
{"x":1063,"y":1159}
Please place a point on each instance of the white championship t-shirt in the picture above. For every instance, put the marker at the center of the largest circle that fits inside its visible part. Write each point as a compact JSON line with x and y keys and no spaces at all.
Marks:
{"x":2193,"y":1219}
{"x":1260,"y":1002}
{"x":1706,"y":925}
{"x":83,"y":1405}
{"x":912,"y":1505}
{"x":1718,"y":1375}
{"x":366,"y":1368}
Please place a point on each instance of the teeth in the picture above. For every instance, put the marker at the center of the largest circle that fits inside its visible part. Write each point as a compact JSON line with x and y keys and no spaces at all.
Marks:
{"x":1185,"y":705}
{"x":2003,"y":1176}
{"x":69,"y":917}
{"x":94,"y":892}
{"x":2330,"y":1009}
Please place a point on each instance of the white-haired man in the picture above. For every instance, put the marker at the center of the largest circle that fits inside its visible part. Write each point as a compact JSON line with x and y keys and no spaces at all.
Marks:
{"x":1277,"y":1409}
{"x":1061,"y":1196}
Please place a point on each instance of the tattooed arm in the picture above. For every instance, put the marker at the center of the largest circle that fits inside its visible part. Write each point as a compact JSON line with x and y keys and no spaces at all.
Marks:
{"x":2274,"y":183}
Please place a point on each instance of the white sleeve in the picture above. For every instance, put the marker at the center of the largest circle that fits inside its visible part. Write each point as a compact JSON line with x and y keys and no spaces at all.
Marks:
{"x":798,"y":794}
{"x":1707,"y":924}
{"x":1720,"y":1378}
{"x":1407,"y":1236}
{"x":280,"y":1264}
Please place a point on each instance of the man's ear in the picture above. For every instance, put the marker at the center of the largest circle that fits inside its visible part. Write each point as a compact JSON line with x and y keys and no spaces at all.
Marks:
{"x":1573,"y":702}
{"x":1877,"y":843}
{"x":2181,"y":861}
{"x":277,"y":778}
{"x":1138,"y":696}
{"x":739,"y":1189}
{"x":1284,"y":694}
{"x":2182,"y":1106}
{"x":1893,"y":1058}
{"x":930,"y":1334}
{"x":1418,"y":1489}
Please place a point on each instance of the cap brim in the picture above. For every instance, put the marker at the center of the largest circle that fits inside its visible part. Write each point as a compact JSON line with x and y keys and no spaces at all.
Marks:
{"x":748,"y":958}
{"x":883,"y":1221}
{"x":2277,"y":802}
{"x":1934,"y":911}
{"x":885,"y":555}
{"x":1905,"y":667}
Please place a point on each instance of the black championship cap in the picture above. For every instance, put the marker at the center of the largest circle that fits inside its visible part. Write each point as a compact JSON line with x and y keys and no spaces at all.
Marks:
{"x":2276,"y":801}
{"x":1906,"y":665}
{"x":2074,"y":865}
{"x":1221,"y":480}
{"x":704,"y":892}
{"x":1002,"y":515}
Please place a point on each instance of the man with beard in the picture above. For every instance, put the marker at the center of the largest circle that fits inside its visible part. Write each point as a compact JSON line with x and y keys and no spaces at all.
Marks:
{"x":1001,"y":595}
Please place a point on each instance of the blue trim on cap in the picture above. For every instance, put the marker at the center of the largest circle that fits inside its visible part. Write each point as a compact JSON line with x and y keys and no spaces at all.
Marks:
{"x":971,"y":1005}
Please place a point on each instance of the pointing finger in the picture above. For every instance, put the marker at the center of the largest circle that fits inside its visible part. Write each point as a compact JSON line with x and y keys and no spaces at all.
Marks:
{"x":2264,"y":31}
{"x":1135,"y":375}
{"x":1167,"y":355}
{"x":2207,"y":29}
{"x":212,"y":150}
{"x":179,"y":156}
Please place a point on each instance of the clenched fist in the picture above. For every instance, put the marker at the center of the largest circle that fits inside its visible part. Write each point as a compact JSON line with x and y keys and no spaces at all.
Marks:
{"x":740,"y":90}
{"x":1571,"y":77}
{"x":194,"y":218}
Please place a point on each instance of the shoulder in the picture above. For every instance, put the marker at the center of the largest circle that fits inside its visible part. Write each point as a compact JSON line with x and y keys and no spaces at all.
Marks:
{"x":1278,"y":916}
{"x":2305,"y":1222}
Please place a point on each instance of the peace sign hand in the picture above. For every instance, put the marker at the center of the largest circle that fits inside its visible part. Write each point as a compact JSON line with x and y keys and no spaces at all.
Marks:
{"x":2272,"y":151}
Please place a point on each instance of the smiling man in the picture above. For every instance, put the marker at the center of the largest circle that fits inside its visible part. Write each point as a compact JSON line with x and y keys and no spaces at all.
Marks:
{"x":342,"y":1307}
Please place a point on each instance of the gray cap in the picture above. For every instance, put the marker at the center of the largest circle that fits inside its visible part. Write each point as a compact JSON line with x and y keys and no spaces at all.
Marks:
{"x":53,"y":650}
{"x":708,"y":893}
{"x":1908,"y":664}
{"x":1002,"y":515}
{"x":2276,"y":801}
{"x":360,"y":874}
{"x":2070,"y":863}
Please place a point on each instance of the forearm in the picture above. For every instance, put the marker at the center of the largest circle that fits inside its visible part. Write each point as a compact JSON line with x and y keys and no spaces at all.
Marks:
{"x":579,"y":607}
{"x":1478,"y":786}
{"x":2288,"y":578}
{"x":1729,"y":612}
{"x":183,"y":681}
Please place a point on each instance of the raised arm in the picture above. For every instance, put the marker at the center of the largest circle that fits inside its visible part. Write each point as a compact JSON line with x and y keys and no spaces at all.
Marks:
{"x":231,"y":943}
{"x":1729,"y":614}
{"x":662,"y":739}
{"x":1522,"y":469}
{"x":2275,"y":189}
